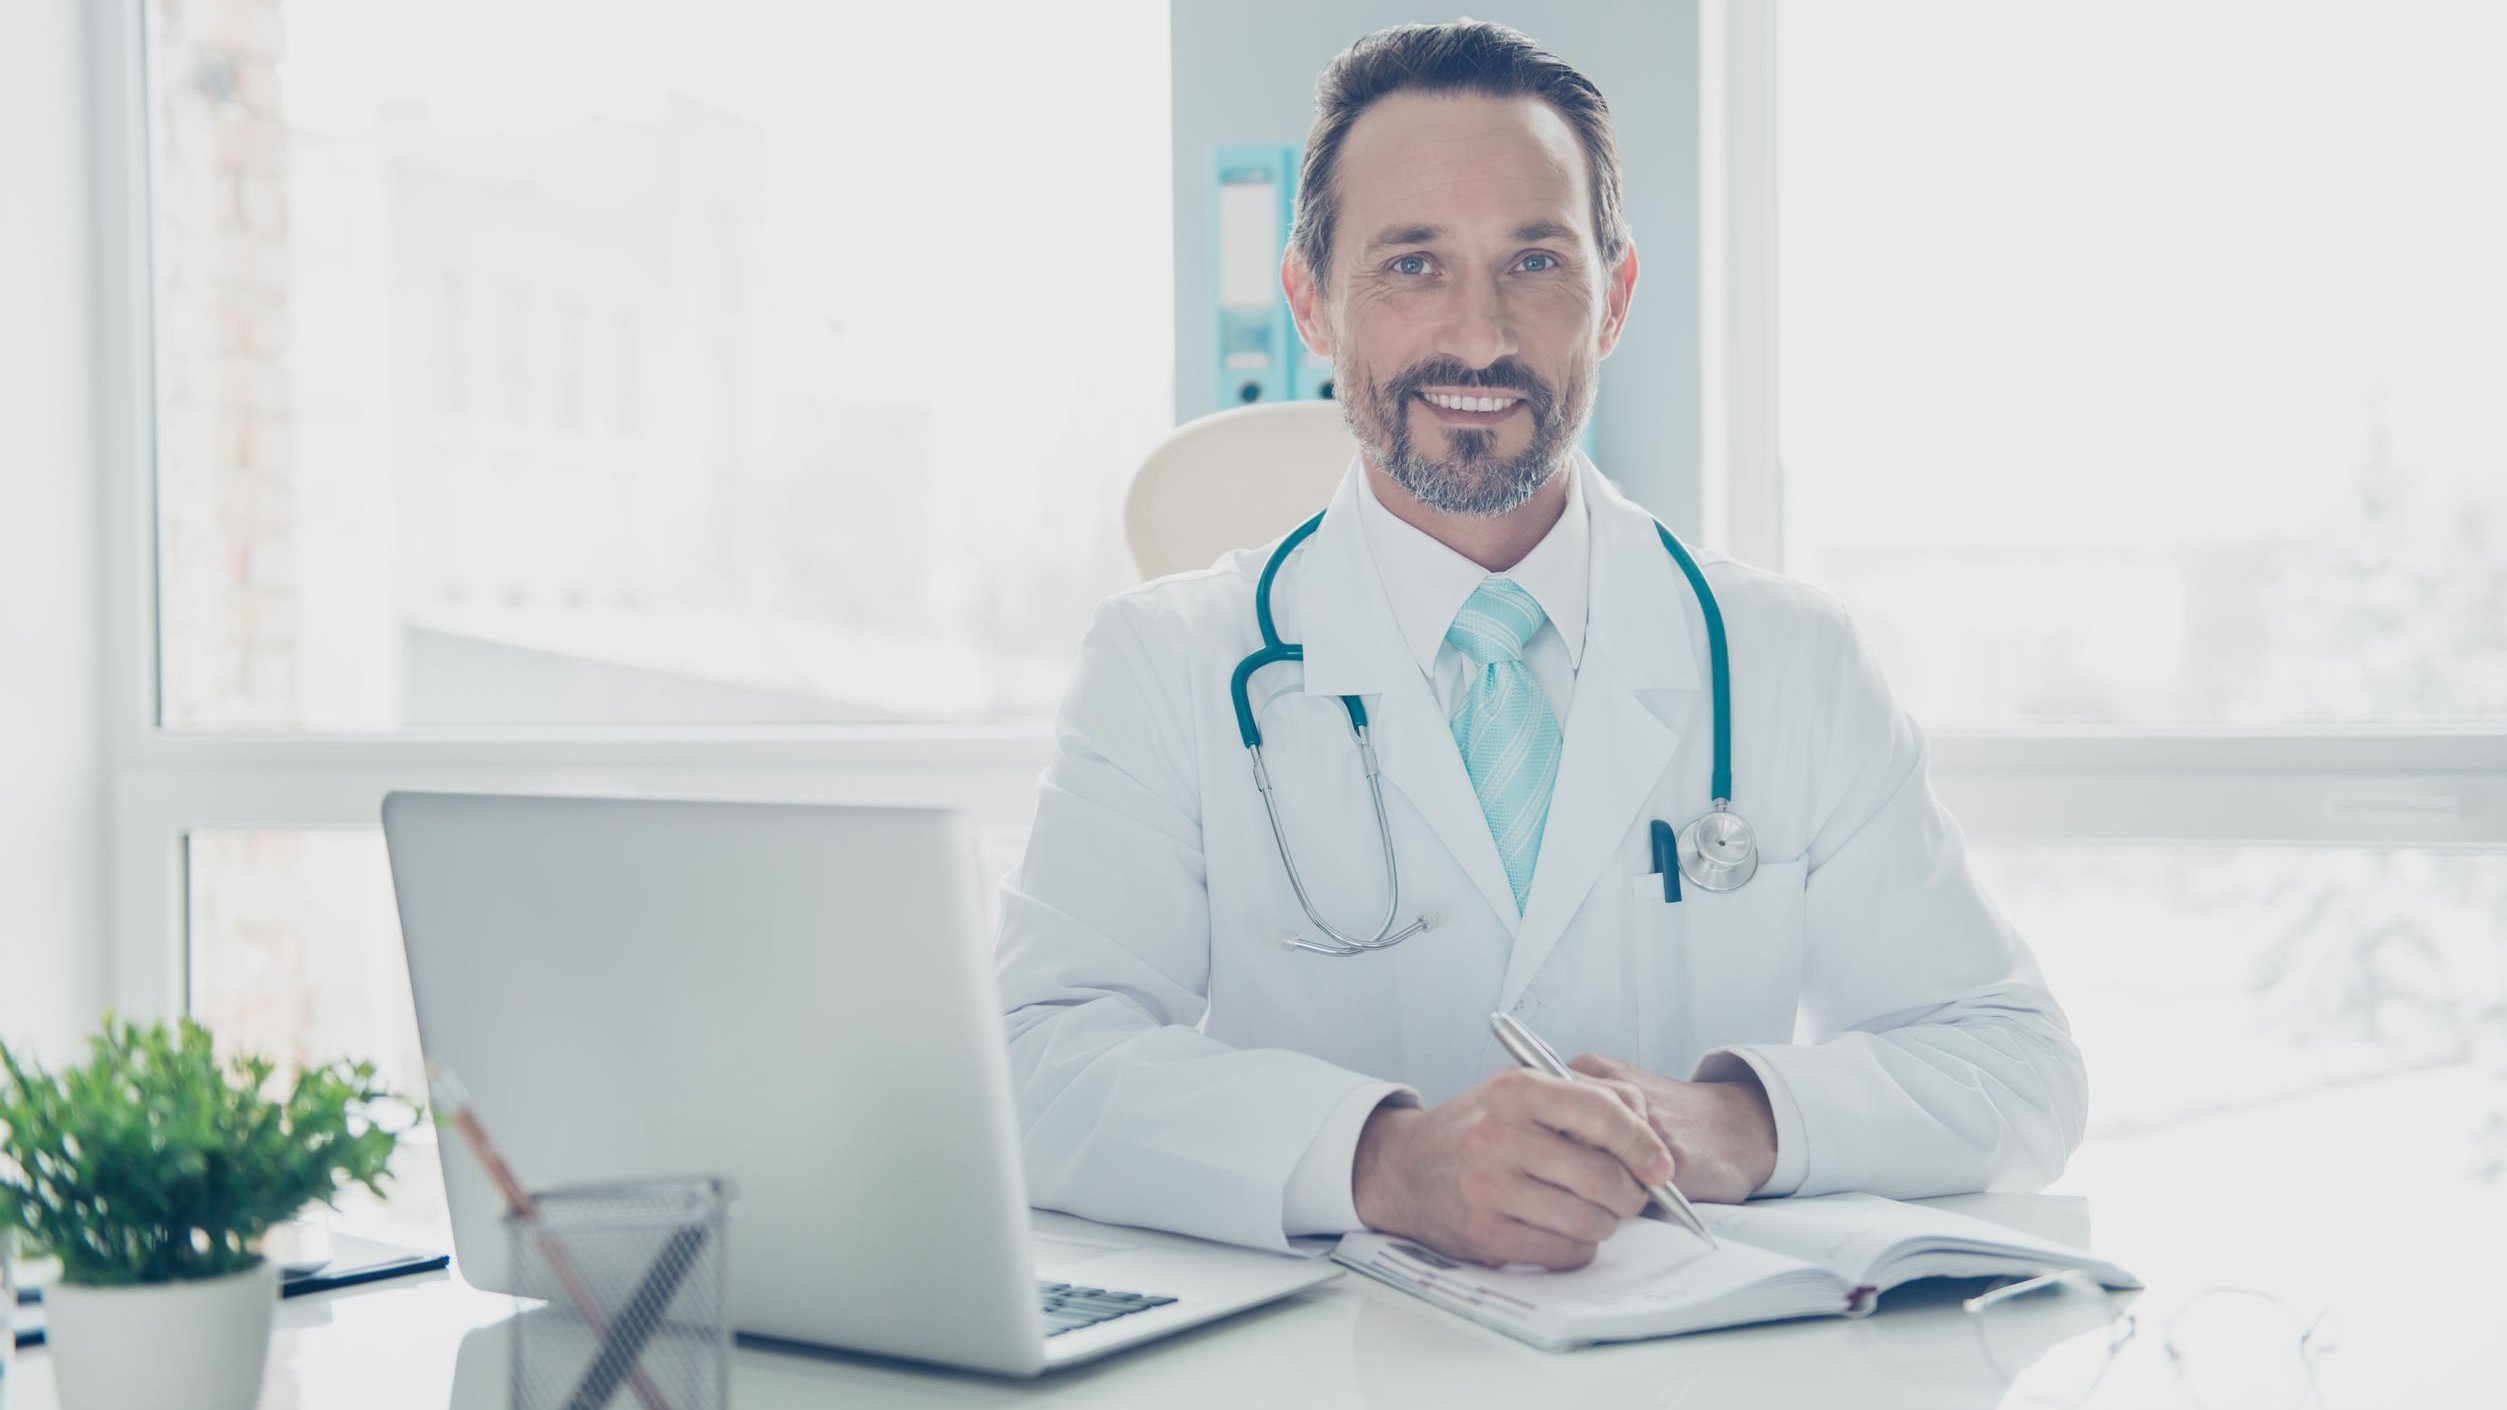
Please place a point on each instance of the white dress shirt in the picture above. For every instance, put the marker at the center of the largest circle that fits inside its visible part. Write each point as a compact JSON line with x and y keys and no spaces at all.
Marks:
{"x":1427,"y":583}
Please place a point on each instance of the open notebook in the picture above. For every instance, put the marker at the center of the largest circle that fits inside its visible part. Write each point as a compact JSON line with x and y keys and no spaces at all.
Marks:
{"x":1828,"y":1256}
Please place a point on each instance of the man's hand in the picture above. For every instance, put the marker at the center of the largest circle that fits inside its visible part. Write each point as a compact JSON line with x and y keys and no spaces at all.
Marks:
{"x":1722,"y":1135}
{"x":1522,"y":1168}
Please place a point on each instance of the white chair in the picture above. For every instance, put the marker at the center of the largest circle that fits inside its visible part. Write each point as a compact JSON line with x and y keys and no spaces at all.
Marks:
{"x":1233,"y":479}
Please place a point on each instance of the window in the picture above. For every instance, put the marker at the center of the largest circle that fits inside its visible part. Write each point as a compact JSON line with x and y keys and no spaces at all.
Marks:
{"x":2209,"y":980}
{"x":546,"y":396}
{"x":2132,"y":381}
{"x":452,"y":350}
{"x":567,"y":372}
{"x":784,"y":512}
{"x":2236,"y":1004}
{"x":2140,"y":362}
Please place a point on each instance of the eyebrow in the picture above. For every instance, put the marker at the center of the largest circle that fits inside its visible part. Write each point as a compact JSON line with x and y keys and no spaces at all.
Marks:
{"x":1428,"y":234}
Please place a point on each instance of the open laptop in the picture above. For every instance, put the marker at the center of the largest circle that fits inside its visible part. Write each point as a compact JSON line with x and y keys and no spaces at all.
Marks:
{"x":797,"y":997}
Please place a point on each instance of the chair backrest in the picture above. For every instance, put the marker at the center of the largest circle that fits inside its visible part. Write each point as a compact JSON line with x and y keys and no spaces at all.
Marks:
{"x":1231,"y":480}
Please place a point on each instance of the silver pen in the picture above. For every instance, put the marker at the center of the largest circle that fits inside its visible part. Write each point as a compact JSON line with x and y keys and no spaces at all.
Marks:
{"x":1528,"y":1049}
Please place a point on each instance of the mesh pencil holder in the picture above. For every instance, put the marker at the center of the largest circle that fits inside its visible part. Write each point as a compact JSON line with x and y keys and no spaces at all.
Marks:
{"x":638,"y":1314}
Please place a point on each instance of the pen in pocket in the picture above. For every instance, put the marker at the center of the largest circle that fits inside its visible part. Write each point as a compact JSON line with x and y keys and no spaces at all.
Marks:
{"x":1667,"y":859}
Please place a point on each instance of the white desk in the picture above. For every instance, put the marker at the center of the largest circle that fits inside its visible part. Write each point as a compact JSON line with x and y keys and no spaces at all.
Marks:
{"x":2418,"y":1314}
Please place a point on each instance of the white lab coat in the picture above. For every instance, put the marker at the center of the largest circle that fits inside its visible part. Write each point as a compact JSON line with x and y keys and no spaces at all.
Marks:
{"x":1173,"y":1061}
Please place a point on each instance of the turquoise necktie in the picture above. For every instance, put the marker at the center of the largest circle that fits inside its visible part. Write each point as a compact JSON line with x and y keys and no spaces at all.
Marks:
{"x":1508,"y":737}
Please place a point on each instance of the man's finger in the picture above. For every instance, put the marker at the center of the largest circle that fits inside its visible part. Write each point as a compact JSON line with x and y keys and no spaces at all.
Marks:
{"x":1597,"y":1117}
{"x":1590,"y":1174}
{"x":1596,"y":1065}
{"x":1631,"y":1094}
{"x":1544,"y":1205}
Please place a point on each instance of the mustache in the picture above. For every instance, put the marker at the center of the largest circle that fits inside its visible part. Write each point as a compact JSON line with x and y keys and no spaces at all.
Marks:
{"x":1505,"y":374}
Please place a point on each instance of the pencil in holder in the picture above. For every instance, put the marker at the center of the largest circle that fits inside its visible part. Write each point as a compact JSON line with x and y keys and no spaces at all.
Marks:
{"x":638,"y":1308}
{"x":8,"y":1311}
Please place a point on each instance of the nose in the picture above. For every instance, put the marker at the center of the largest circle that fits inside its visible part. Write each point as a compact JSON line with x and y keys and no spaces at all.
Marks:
{"x":1475,"y":329}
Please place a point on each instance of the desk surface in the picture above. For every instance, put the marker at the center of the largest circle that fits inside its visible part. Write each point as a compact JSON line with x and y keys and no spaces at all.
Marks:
{"x":2416,"y":1314}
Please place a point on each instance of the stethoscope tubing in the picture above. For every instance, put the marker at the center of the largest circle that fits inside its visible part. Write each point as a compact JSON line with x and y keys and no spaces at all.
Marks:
{"x":1718,"y":664}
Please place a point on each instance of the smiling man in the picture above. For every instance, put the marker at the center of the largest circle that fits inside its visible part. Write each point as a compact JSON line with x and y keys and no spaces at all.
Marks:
{"x":1536,"y":674}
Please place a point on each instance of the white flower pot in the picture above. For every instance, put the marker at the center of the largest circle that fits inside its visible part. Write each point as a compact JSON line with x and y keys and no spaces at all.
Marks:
{"x":195,"y":1345}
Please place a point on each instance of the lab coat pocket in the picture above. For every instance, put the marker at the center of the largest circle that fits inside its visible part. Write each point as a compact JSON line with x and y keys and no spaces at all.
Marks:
{"x":1715,"y":968}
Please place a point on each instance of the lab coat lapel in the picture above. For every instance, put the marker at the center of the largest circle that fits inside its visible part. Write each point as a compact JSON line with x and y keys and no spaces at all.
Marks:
{"x":1354,"y":647}
{"x":1614,"y":751}
{"x":1616,"y":744}
{"x":1417,"y":751}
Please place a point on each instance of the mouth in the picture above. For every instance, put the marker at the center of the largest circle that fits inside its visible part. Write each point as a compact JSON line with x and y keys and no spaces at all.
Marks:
{"x":1470,"y":408}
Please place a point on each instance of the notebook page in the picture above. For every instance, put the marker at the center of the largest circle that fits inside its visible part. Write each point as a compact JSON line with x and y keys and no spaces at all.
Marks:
{"x":1859,"y":1237}
{"x":1649,"y":1278}
{"x":1850,"y":1235}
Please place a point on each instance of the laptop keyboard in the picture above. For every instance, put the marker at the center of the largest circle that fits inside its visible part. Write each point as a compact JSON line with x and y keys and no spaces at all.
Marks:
{"x":1069,"y":1308}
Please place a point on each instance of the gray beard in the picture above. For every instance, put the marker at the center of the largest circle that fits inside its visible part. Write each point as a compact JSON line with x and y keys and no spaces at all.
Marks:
{"x":1471,"y":479}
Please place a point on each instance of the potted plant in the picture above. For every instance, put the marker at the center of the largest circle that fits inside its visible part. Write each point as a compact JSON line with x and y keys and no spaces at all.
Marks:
{"x":151,"y":1173}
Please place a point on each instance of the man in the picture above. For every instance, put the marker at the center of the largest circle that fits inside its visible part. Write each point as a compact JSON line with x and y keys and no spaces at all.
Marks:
{"x":1856,"y":1016}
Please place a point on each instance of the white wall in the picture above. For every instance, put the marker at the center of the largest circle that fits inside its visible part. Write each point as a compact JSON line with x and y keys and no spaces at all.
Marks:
{"x":1245,"y":73}
{"x":51,"y":772}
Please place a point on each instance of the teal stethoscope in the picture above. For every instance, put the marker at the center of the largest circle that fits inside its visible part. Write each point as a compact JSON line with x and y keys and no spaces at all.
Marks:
{"x":1717,"y":852}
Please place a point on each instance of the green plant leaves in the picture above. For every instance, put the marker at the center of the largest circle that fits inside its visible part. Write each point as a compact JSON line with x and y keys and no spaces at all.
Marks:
{"x":156,"y":1162}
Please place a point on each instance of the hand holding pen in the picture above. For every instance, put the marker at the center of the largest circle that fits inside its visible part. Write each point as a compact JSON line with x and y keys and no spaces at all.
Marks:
{"x":1518,"y":1169}
{"x":1527,"y":1049}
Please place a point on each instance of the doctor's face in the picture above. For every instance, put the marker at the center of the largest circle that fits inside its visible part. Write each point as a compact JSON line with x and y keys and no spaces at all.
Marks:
{"x":1467,"y":311}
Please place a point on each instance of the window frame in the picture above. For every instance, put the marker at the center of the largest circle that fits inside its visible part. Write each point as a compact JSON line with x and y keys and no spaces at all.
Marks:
{"x":2386,"y":786}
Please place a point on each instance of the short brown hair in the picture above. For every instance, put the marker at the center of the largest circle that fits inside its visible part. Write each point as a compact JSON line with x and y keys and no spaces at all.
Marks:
{"x":1464,"y":56}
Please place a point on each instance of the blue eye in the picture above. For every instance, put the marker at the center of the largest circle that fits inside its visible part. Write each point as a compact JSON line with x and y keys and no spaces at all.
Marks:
{"x":1552,"y":262}
{"x":1405,"y":260}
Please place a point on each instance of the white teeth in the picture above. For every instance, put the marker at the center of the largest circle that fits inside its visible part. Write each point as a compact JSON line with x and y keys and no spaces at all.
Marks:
{"x":1454,"y":403}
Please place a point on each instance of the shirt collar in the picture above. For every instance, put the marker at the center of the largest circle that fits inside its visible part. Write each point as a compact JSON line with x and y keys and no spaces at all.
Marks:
{"x":1427,"y":583}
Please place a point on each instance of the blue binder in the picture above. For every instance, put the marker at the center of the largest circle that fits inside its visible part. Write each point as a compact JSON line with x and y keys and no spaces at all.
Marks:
{"x":1252,"y":191}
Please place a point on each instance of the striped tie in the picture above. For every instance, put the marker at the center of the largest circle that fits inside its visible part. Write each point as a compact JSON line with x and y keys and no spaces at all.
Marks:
{"x":1508,"y":737}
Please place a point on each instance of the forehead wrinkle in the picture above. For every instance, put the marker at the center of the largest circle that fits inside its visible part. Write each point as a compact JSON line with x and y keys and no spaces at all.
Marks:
{"x":1438,"y":176}
{"x":1429,"y":167}
{"x":1543,"y":163}
{"x":1496,"y":218}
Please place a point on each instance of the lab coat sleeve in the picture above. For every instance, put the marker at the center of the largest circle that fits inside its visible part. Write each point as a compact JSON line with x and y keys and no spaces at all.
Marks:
{"x":1729,"y":1064}
{"x":1322,"y":1196}
{"x":1937,"y":1062}
{"x":1127,"y":1112}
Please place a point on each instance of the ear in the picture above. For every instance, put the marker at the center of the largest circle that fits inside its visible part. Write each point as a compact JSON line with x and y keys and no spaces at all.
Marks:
{"x":1305,"y":304}
{"x":1619,"y":290}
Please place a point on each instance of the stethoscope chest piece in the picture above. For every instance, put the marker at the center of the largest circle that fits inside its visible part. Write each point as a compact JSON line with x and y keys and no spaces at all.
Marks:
{"x":1718,"y":852}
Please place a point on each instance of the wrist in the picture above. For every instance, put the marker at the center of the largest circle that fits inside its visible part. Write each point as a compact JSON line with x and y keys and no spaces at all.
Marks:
{"x":1752,"y":1119}
{"x":1375,"y":1177}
